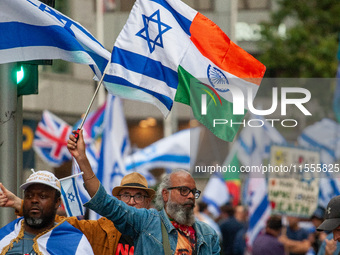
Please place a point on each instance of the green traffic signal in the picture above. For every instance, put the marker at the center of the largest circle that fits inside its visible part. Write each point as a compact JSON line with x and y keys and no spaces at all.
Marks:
{"x":26,"y":79}
{"x":20,"y":74}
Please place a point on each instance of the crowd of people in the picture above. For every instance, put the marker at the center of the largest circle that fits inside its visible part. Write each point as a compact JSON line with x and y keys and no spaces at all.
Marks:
{"x":176,"y":223}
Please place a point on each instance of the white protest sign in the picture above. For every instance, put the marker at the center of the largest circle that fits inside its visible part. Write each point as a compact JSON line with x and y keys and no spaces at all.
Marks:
{"x":294,"y":186}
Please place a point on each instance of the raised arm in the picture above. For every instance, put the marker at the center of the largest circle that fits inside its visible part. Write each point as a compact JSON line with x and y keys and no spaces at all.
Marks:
{"x":77,"y":150}
{"x":8,"y":199}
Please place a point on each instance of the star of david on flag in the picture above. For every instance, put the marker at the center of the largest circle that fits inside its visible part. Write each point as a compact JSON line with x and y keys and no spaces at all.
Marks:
{"x":70,"y":196}
{"x":152,"y":24}
{"x":164,"y":47}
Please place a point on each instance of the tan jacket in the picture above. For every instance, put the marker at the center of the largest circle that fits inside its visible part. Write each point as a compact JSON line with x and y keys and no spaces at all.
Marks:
{"x":102,"y":234}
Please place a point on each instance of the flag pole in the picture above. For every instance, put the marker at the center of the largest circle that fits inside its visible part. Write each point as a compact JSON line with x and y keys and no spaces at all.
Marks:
{"x":91,"y":103}
{"x":71,"y":176}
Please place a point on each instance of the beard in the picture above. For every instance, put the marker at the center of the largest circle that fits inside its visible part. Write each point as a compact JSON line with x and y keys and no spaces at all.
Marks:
{"x":39,"y":222}
{"x":181,"y":213}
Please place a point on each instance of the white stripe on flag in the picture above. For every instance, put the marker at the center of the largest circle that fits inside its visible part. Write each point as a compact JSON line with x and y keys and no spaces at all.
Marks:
{"x":148,"y":82}
{"x":31,"y":30}
{"x":254,"y":147}
{"x":198,"y":69}
{"x":115,"y":145}
{"x":176,"y":151}
{"x":70,"y":195}
{"x":171,"y":52}
{"x":216,"y":194}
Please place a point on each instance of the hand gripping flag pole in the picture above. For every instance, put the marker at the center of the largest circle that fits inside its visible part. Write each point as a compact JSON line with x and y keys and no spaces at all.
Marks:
{"x":76,"y":135}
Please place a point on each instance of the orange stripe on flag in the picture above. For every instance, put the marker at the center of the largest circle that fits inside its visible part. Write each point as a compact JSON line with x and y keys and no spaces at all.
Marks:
{"x":215,"y":45}
{"x":234,"y":188}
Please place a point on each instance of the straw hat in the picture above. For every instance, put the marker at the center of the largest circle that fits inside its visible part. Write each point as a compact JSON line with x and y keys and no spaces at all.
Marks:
{"x":135,"y":181}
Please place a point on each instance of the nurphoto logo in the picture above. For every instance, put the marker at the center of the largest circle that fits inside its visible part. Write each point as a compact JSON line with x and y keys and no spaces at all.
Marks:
{"x":288,"y":96}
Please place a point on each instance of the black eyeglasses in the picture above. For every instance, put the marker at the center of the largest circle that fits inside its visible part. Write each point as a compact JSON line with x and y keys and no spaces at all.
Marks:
{"x":184,"y":190}
{"x":138,"y":198}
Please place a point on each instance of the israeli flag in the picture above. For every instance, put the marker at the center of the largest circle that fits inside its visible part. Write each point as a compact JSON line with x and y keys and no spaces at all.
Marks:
{"x":176,"y":151}
{"x":216,"y":194}
{"x":254,"y":147}
{"x":62,"y":239}
{"x":324,"y":136}
{"x":70,"y":196}
{"x":31,"y":30}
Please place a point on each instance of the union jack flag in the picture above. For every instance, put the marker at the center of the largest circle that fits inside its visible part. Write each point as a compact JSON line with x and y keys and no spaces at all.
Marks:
{"x":50,"y":139}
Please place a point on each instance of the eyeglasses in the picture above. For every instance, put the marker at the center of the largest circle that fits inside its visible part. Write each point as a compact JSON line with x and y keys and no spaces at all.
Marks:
{"x":184,"y":191}
{"x":138,"y":198}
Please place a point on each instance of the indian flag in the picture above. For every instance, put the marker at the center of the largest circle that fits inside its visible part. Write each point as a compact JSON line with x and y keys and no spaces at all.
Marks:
{"x":167,"y":51}
{"x":232,"y":177}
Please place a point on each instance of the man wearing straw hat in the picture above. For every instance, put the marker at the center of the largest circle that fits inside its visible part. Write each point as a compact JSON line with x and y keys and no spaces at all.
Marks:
{"x":37,"y":232}
{"x":102,"y":234}
{"x":171,"y":230}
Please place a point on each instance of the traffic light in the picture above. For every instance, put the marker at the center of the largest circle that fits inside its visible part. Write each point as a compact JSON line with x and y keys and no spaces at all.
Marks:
{"x":26,"y":79}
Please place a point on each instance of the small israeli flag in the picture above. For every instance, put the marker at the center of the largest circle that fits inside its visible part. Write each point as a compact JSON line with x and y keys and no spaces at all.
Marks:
{"x":70,"y":196}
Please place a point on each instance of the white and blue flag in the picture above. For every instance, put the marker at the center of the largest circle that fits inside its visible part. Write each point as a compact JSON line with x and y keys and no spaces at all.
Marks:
{"x":216,"y":194}
{"x":324,"y":136}
{"x":115,"y":145}
{"x":92,"y":131}
{"x":107,"y":161}
{"x":176,"y":151}
{"x":31,"y":30}
{"x":71,"y":197}
{"x":62,"y":239}
{"x":254,"y":147}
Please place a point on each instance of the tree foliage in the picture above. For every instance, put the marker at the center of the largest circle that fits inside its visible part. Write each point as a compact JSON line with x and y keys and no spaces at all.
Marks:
{"x":310,"y":45}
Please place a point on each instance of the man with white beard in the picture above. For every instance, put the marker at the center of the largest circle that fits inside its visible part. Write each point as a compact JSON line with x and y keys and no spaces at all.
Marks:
{"x":171,"y":230}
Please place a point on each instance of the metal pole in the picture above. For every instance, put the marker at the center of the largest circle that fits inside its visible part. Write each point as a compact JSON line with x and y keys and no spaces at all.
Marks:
{"x":8,"y":136}
{"x":233,"y":19}
{"x":171,"y":122}
{"x":226,"y":13}
{"x":92,"y":100}
{"x":20,"y":165}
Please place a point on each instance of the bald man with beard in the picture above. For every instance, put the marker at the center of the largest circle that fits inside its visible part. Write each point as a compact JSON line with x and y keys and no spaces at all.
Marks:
{"x":175,"y":201}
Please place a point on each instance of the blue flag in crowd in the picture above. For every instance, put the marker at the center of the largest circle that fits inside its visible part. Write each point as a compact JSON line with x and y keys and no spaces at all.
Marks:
{"x":106,"y":157}
{"x":92,"y":132}
{"x":175,"y":151}
{"x":32,"y":30}
{"x":324,"y":136}
{"x":115,"y":145}
{"x":254,"y":147}
{"x":70,"y":196}
{"x":216,"y":194}
{"x":62,"y":239}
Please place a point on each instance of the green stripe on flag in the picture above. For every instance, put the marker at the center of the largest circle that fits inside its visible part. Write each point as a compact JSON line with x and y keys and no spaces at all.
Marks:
{"x":229,"y":176}
{"x":190,"y":90}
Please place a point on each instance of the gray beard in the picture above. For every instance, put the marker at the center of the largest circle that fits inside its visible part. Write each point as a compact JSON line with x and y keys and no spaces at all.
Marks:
{"x":34,"y":223}
{"x":39,"y":223}
{"x":181,"y":214}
